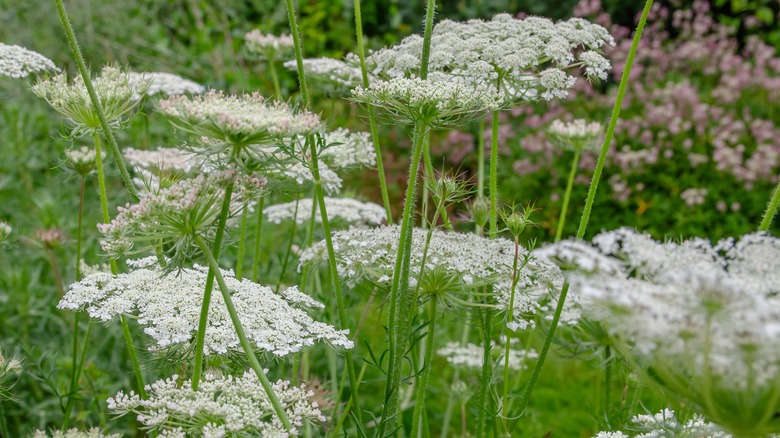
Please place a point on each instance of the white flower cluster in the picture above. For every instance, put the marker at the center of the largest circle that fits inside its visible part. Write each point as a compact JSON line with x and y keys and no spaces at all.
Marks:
{"x":301,"y":174}
{"x":577,"y":134}
{"x":704,"y":318}
{"x":332,"y":74}
{"x":169,"y":84}
{"x":17,"y":62}
{"x":163,"y":160}
{"x":74,"y":433}
{"x":270,"y":46}
{"x":168,"y":305}
{"x":221,"y":407}
{"x":345,"y":209}
{"x":82,"y":160}
{"x":455,"y":263}
{"x":348,"y":149}
{"x":238,"y":120}
{"x":441,"y":100}
{"x":471,"y":355}
{"x":504,"y":49}
{"x":72,"y":100}
{"x":665,"y":425}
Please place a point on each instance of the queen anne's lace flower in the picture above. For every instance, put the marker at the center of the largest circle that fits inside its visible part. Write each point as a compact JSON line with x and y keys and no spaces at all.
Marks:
{"x":269,"y":46}
{"x":17,"y":62}
{"x":348,"y":149}
{"x":704,"y":320}
{"x":332,"y":75}
{"x":82,"y":160}
{"x":576,"y":135}
{"x":5,"y":230}
{"x":471,"y":355}
{"x":226,"y":406}
{"x":72,"y":100}
{"x":164,"y":160}
{"x":665,"y":425}
{"x":168,"y":307}
{"x":345,"y":209}
{"x":301,"y":174}
{"x":74,"y":433}
{"x":455,"y":263}
{"x":168,"y":84}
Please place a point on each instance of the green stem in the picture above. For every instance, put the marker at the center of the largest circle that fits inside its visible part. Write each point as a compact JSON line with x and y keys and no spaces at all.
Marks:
{"x":487,"y":372}
{"x":771,"y":209}
{"x":79,"y":230}
{"x":241,"y":242}
{"x":422,"y":384}
{"x":399,"y":290}
{"x":481,"y":159}
{"x":509,"y":318}
{"x":106,"y":219}
{"x":464,"y":338}
{"x":250,"y":354}
{"x":567,"y":196}
{"x":204,"y":308}
{"x":3,"y":423}
{"x":441,"y":209}
{"x":82,"y":66}
{"x":588,"y":204}
{"x":607,"y":379}
{"x":298,"y":53}
{"x":371,"y":115}
{"x":74,"y":372}
{"x":274,"y":78}
{"x":494,"y":177}
{"x":287,"y":253}
{"x":258,"y":234}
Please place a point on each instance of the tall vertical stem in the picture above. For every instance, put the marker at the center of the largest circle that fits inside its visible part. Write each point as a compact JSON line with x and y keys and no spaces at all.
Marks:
{"x":567,"y":195}
{"x":494,"y":176}
{"x":481,"y":158}
{"x":258,"y":234}
{"x":771,"y":209}
{"x":241,"y":241}
{"x":274,"y":78}
{"x":509,"y":318}
{"x":422,"y":384}
{"x":594,"y":182}
{"x":293,"y":230}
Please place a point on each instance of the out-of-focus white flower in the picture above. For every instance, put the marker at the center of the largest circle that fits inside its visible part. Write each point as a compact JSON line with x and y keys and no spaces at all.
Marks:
{"x":576,"y":135}
{"x":344,"y":209}
{"x":665,"y":424}
{"x":168,"y":84}
{"x":331,"y":75}
{"x":74,"y":433}
{"x":471,"y":355}
{"x":17,"y":62}
{"x":269,"y":46}
{"x":694,"y":196}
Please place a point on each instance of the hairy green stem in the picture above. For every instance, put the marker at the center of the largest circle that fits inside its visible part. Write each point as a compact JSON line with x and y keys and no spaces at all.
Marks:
{"x":241,"y":242}
{"x":567,"y":195}
{"x":200,"y":339}
{"x":79,"y":230}
{"x":298,"y":52}
{"x":422,"y":384}
{"x":274,"y":78}
{"x":82,"y":67}
{"x":509,"y":318}
{"x":588,"y":204}
{"x":481,"y":158}
{"x":248,"y":350}
{"x":293,"y":230}
{"x":258,"y":234}
{"x":487,"y":372}
{"x":494,"y":176}
{"x":771,"y":209}
{"x":371,"y":115}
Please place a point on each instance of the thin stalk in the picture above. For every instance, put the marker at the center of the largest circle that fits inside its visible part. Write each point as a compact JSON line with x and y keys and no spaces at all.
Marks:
{"x":76,"y":376}
{"x":309,"y":239}
{"x":509,"y":319}
{"x":464,"y":338}
{"x":287,"y":253}
{"x":371,"y":115}
{"x":56,"y":269}
{"x":79,"y":230}
{"x":250,"y":354}
{"x":494,"y":176}
{"x":771,"y":209}
{"x":594,"y":182}
{"x":82,"y":66}
{"x":481,"y":158}
{"x":487,"y":372}
{"x":567,"y":195}
{"x":441,"y":209}
{"x":422,"y":384}
{"x":241,"y":242}
{"x":204,"y":308}
{"x":106,"y":219}
{"x":73,"y":373}
{"x":274,"y":78}
{"x":298,"y":52}
{"x":258,"y":234}
{"x":607,"y":379}
{"x":3,"y":424}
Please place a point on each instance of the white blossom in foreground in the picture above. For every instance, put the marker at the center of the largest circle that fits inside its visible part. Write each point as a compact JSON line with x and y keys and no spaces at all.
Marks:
{"x":169,"y":84}
{"x":269,"y":46}
{"x":74,"y":433}
{"x":17,"y":62}
{"x":221,"y":407}
{"x":514,"y":53}
{"x":471,"y":356}
{"x":331,"y":75}
{"x":72,"y":100}
{"x":346,"y":149}
{"x":238,"y":122}
{"x":441,"y":100}
{"x":168,"y":305}
{"x":703,"y":320}
{"x":665,"y":425}
{"x":575,"y":135}
{"x":344,"y":209}
{"x":456,"y":264}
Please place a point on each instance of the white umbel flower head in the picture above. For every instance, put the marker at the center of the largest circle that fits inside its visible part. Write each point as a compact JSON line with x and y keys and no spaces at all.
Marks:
{"x":575,"y":135}
{"x":704,"y":320}
{"x":343,"y":209}
{"x":5,"y":230}
{"x":168,"y":305}
{"x":328,"y":74}
{"x":346,"y":149}
{"x":225,"y":406}
{"x":168,"y":84}
{"x":82,"y":160}
{"x":72,"y":100}
{"x":269,"y":46}
{"x":17,"y":62}
{"x":74,"y":433}
{"x":472,"y":355}
{"x":665,"y":424}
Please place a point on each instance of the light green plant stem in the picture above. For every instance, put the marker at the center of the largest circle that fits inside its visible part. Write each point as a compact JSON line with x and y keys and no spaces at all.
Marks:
{"x":422,"y":383}
{"x":487,"y":372}
{"x":771,"y":209}
{"x":258,"y":235}
{"x":441,"y":209}
{"x":293,"y":230}
{"x":241,"y":243}
{"x":309,"y":240}
{"x":200,"y":339}
{"x":509,"y":318}
{"x":371,"y":115}
{"x":464,"y":338}
{"x":588,"y":206}
{"x":298,"y":52}
{"x":3,"y":423}
{"x":248,"y":350}
{"x":82,"y":66}
{"x":79,"y":230}
{"x":567,"y":195}
{"x":481,"y":158}
{"x":106,"y":219}
{"x":274,"y":78}
{"x":607,"y":379}
{"x":494,"y":176}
